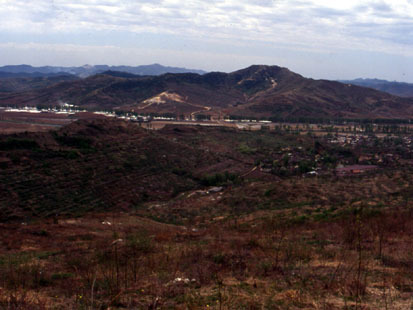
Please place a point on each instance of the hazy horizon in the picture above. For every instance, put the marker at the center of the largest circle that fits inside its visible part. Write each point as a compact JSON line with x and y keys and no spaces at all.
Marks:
{"x":319,"y":39}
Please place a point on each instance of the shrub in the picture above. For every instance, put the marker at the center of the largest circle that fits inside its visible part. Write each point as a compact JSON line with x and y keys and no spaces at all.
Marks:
{"x":14,"y":144}
{"x":61,"y":276}
{"x":245,"y":149}
{"x":140,"y":242}
{"x":219,"y":179}
{"x":77,"y":142}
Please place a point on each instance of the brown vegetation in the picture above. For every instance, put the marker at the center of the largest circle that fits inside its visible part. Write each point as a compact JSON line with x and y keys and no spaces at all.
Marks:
{"x":360,"y":261}
{"x":211,"y":218}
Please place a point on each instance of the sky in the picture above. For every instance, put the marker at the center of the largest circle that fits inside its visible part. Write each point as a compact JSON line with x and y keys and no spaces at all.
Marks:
{"x":328,"y":39}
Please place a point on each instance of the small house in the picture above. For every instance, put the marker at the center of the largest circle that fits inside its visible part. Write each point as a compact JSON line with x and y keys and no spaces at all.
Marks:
{"x":354,"y":170}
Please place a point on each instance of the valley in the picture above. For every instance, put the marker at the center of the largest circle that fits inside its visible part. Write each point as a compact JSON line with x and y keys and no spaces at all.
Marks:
{"x":191,"y":216}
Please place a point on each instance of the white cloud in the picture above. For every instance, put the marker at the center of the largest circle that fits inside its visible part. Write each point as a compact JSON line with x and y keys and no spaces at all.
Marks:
{"x":318,"y":23}
{"x":319,"y":26}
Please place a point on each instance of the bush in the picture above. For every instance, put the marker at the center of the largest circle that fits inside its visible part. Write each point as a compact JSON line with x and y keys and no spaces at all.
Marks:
{"x":14,"y":144}
{"x":140,"y":242}
{"x":305,"y":166}
{"x":181,"y":172}
{"x":77,"y":142}
{"x":245,"y":149}
{"x":72,"y":155}
{"x":219,"y":179}
{"x":61,"y":276}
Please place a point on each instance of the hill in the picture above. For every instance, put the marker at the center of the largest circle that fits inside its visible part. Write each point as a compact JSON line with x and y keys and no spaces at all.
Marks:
{"x":257,"y":91}
{"x":103,"y":165}
{"x":19,"y":82}
{"x":394,"y":88}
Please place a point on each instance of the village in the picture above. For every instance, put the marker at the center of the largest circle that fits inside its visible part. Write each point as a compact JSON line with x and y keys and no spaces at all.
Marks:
{"x":342,"y":150}
{"x":339,"y":155}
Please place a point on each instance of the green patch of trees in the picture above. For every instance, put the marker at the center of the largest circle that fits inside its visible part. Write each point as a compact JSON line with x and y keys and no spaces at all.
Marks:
{"x":219,"y":179}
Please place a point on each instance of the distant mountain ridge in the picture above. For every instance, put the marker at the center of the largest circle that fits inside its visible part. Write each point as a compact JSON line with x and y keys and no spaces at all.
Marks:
{"x":400,"y":89}
{"x":8,"y":75}
{"x":88,"y":70}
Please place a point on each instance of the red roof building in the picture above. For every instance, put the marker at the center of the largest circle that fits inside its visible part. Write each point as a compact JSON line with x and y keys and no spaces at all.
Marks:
{"x":355,"y":169}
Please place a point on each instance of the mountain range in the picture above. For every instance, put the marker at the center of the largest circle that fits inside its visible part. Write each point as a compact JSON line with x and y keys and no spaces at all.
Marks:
{"x":395,"y":88}
{"x":87,"y":70}
{"x":257,"y":91}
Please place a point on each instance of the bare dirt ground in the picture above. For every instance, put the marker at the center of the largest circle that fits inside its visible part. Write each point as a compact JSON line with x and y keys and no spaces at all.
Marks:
{"x":15,"y":122}
{"x":10,"y":128}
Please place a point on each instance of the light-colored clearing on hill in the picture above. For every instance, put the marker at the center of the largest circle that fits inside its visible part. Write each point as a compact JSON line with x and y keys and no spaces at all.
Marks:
{"x":162,"y":98}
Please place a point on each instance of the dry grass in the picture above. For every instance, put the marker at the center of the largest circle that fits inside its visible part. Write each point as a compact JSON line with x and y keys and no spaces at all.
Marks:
{"x":279,"y":242}
{"x":261,"y":262}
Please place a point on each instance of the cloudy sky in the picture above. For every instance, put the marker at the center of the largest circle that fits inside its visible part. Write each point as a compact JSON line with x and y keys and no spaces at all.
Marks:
{"x":331,"y":39}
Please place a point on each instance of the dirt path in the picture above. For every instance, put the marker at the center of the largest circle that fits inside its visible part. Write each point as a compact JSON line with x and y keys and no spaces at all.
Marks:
{"x":204,"y":109}
{"x":249,"y":172}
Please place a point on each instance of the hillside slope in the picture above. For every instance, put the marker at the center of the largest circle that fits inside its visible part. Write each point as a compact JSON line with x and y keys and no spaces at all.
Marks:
{"x":101,"y":165}
{"x":15,"y":82}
